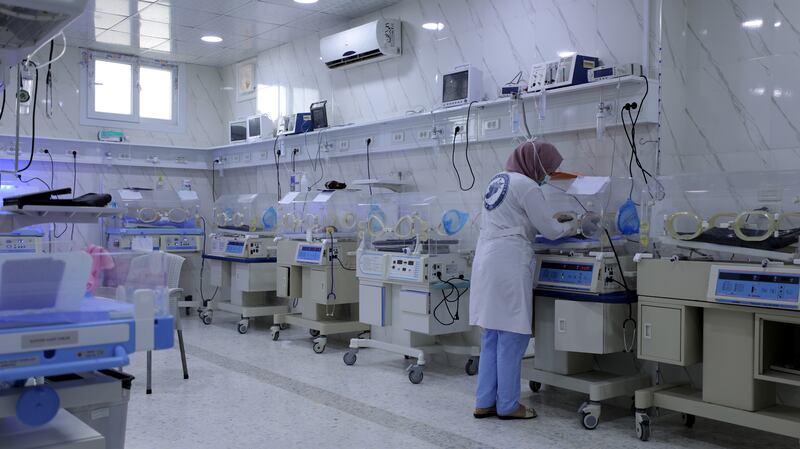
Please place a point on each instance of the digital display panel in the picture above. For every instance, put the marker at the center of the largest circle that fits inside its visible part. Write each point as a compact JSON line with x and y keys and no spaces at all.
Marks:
{"x":599,"y":73}
{"x":759,"y":286}
{"x":309,"y":254}
{"x":234,"y":247}
{"x":566,"y":273}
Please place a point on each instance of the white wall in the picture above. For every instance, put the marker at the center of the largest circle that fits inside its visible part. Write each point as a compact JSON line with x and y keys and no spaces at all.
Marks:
{"x":206,"y":109}
{"x":731,"y":96}
{"x":501,"y":38}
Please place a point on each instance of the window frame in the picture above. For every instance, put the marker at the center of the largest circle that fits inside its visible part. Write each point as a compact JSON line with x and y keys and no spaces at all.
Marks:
{"x":91,"y":117}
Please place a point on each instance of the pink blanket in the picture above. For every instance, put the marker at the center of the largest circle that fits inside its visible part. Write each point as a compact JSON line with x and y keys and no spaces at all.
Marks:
{"x":101,"y":260}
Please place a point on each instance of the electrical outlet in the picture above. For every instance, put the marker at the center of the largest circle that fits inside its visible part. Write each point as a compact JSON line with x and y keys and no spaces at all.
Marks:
{"x":423,"y":134}
{"x":246,"y":157}
{"x":344,"y":145}
{"x":152,"y":159}
{"x":180,"y":160}
{"x":235,"y":158}
{"x":491,"y":125}
{"x":124,"y":156}
{"x":398,"y":137}
{"x":69,"y":153}
{"x":262,"y":156}
{"x":372,"y":141}
{"x":461,"y":129}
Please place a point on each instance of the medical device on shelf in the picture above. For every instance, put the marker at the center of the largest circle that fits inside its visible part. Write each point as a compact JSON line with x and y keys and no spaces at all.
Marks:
{"x":614,"y":71}
{"x":567,"y":71}
{"x":582,"y":300}
{"x":413,"y":273}
{"x":241,"y":255}
{"x":719,"y":284}
{"x":316,"y":264}
{"x":73,"y":319}
{"x":299,"y":123}
{"x":462,"y":86}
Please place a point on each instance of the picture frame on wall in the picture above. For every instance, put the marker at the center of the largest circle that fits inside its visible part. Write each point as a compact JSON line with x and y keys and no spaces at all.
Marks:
{"x":246,"y":80}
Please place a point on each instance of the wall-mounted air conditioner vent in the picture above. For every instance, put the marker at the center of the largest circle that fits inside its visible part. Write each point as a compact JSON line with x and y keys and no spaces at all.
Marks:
{"x":371,"y":42}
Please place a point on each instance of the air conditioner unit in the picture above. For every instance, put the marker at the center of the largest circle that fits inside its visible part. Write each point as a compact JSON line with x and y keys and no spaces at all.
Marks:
{"x":26,"y":24}
{"x":371,"y":42}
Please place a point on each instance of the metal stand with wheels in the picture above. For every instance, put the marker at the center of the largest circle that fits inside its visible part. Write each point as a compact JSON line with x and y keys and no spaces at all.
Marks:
{"x":319,"y":329}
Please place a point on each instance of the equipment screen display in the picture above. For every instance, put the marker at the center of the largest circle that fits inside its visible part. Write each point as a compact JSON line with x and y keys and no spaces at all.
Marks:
{"x":255,"y":126}
{"x":455,"y":86}
{"x":235,"y":247}
{"x":566,"y":273}
{"x":765,"y":286}
{"x":311,"y":254}
{"x":238,"y":132}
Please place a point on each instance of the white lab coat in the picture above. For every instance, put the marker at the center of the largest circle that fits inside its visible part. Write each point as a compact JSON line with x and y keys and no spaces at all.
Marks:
{"x":501,"y":288}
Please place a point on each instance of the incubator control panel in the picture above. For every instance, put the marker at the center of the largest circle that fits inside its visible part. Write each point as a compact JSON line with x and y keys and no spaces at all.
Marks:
{"x":243,"y":246}
{"x":20,"y":244}
{"x":180,"y":243}
{"x":582,"y":274}
{"x":310,"y":253}
{"x":406,"y":268}
{"x":776,"y":288}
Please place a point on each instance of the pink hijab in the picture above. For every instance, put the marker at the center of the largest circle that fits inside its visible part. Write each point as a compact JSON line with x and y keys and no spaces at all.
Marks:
{"x":534,"y":160}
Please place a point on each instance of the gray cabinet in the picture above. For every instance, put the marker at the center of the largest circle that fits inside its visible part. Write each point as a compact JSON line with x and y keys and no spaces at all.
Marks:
{"x":669,"y":333}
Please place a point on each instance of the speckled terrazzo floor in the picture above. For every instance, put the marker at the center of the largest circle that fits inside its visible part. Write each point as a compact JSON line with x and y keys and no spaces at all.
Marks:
{"x":247,"y":391}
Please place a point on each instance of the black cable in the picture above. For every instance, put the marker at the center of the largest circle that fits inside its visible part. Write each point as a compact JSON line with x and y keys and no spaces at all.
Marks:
{"x":3,"y":107}
{"x":74,"y":185}
{"x":277,"y":162}
{"x":33,"y":117}
{"x":32,"y":179}
{"x":369,"y":170}
{"x":342,"y":264}
{"x":48,"y":83}
{"x":466,"y":154}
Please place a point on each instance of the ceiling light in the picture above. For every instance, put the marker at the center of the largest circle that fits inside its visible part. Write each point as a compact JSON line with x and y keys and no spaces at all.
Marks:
{"x":305,"y":2}
{"x":755,"y":23}
{"x":211,"y":38}
{"x":777,"y":24}
{"x":567,"y":54}
{"x":433,"y":26}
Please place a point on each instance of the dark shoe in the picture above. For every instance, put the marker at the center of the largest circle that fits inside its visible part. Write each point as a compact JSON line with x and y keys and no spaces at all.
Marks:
{"x":522,"y":412}
{"x":481,"y":413}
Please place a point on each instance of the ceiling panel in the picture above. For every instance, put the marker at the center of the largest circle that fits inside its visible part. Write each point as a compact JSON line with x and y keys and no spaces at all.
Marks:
{"x":268,"y":12}
{"x":171,"y":29}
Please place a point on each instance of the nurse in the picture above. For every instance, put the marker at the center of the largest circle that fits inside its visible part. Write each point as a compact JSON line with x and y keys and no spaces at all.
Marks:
{"x":501,"y":297}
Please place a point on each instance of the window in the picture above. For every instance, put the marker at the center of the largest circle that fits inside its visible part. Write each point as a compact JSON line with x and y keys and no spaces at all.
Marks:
{"x":128,"y":92}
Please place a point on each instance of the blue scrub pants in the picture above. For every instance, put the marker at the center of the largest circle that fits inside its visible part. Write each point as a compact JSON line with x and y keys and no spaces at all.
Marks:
{"x":499,"y":370}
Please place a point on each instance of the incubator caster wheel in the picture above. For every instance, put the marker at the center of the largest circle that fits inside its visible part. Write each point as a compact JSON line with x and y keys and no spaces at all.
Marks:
{"x":349,"y":358}
{"x":243,"y":326}
{"x":589,"y":414}
{"x":407,"y":357}
{"x":688,"y":420}
{"x":206,"y":316}
{"x":642,"y":426}
{"x":276,"y":335}
{"x":319,"y":344}
{"x":534,"y":386}
{"x":471,"y":368}
{"x":415,"y":374}
{"x":314,"y":333}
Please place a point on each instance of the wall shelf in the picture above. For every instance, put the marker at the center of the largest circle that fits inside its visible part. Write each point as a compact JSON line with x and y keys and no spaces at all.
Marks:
{"x":568,"y":109}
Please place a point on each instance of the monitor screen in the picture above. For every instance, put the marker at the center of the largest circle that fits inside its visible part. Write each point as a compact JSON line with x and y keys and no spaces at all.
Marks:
{"x":238,"y":131}
{"x":455,"y":86}
{"x":254,"y":124}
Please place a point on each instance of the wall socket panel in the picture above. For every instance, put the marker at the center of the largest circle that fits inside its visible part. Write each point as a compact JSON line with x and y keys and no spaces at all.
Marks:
{"x":491,"y":125}
{"x":424,"y":134}
{"x":246,"y":157}
{"x":398,"y":137}
{"x":235,"y":158}
{"x":344,"y":145}
{"x":263,"y":156}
